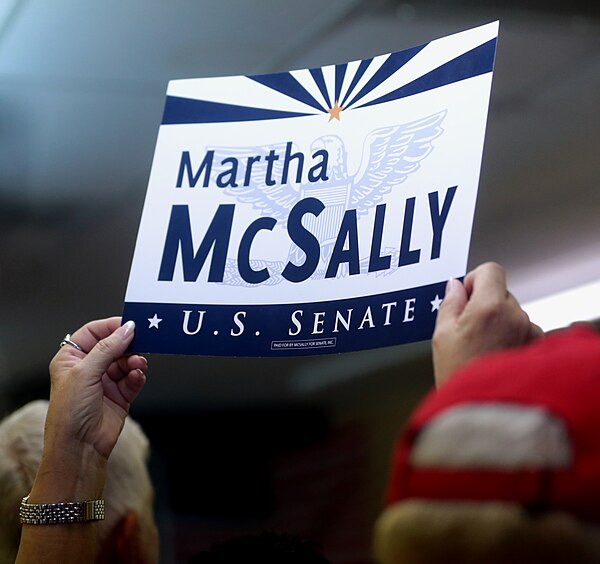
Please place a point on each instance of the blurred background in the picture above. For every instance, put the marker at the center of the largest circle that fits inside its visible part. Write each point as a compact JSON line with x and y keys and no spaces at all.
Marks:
{"x":240,"y":445}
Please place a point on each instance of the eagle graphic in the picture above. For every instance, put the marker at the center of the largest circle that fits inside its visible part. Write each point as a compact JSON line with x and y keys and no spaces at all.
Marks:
{"x":390,"y":154}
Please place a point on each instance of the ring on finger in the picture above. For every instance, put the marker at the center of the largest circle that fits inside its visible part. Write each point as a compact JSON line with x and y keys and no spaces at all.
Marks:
{"x":67,"y":341}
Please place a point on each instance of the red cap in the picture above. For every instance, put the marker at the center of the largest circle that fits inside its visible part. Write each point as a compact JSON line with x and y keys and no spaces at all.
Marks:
{"x":558,"y":375}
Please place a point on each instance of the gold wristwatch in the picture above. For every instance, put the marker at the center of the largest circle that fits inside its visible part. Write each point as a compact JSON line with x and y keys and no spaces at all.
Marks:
{"x":59,"y":513}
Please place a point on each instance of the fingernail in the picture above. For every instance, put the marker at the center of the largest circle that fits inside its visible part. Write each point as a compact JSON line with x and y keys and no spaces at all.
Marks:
{"x":450,"y":284}
{"x":125,"y":329}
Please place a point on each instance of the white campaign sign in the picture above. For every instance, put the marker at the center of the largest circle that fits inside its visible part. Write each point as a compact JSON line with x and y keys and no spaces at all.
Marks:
{"x":313,"y":211}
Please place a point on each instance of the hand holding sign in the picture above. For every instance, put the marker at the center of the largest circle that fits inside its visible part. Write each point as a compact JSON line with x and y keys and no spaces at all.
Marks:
{"x":476,"y":318}
{"x":92,"y":388}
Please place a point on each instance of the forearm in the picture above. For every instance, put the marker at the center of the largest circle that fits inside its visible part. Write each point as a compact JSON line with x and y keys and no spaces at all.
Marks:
{"x":64,"y":476}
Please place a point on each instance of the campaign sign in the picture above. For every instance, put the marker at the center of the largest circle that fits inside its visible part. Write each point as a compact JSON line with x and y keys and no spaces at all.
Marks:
{"x":315,"y":211}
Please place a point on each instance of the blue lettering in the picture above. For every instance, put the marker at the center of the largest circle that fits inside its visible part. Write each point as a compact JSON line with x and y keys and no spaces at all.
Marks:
{"x":304,"y":239}
{"x":185,"y":166}
{"x":406,"y":255}
{"x":270,"y":158}
{"x":376,"y":261}
{"x":179,"y":236}
{"x":249,"y":163}
{"x":286,"y":164}
{"x":319,"y":170}
{"x":438,"y":219}
{"x":348,"y":231}
{"x":246,"y":272}
{"x":227,"y":177}
{"x":229,"y":168}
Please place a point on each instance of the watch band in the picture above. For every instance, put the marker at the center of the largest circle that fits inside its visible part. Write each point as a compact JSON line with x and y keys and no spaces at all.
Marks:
{"x":59,"y":513}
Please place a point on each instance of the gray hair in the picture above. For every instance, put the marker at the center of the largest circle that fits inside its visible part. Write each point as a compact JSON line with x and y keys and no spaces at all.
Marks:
{"x":128,"y":486}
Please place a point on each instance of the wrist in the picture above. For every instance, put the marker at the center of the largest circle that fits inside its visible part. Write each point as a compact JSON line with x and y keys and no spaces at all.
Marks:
{"x":69,"y":473}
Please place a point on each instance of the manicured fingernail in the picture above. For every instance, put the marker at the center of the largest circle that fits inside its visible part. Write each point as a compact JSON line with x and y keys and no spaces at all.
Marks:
{"x":126,"y":329}
{"x":450,"y":284}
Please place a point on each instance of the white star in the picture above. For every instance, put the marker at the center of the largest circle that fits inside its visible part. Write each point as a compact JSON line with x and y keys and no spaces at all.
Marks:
{"x":154,"y":321}
{"x":436,"y":303}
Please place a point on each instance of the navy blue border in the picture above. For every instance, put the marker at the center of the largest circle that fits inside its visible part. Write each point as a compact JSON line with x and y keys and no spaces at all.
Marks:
{"x":273,"y":322}
{"x":475,"y":62}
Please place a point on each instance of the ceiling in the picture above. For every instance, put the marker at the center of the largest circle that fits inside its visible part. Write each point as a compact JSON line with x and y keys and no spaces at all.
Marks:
{"x":82,"y":88}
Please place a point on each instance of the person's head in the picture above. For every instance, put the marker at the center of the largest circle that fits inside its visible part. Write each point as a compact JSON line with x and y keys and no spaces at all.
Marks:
{"x":501,"y":463}
{"x":268,"y":547}
{"x":437,"y":532}
{"x":127,"y":534}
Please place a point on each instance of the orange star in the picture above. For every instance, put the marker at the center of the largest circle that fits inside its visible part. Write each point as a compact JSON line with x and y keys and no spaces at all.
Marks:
{"x":334,"y":113}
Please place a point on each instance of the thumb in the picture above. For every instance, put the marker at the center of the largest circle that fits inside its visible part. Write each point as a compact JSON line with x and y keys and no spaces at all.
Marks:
{"x":455,"y":300}
{"x":109,"y":349}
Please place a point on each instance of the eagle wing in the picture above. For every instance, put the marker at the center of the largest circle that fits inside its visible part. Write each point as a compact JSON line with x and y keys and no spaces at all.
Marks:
{"x":390,"y":155}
